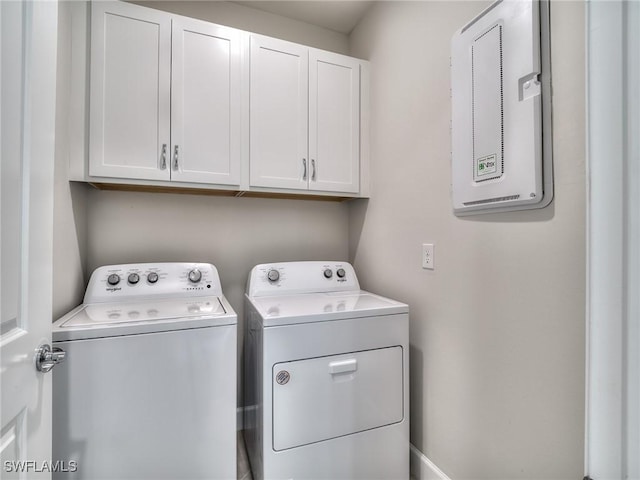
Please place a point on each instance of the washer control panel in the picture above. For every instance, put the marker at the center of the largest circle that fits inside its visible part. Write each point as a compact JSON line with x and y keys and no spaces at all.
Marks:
{"x":143,"y":280}
{"x":301,"y":277}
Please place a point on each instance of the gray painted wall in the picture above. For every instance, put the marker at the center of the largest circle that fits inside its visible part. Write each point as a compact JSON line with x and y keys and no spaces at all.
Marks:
{"x":498,"y":328}
{"x":232,"y":233}
{"x":70,"y":201}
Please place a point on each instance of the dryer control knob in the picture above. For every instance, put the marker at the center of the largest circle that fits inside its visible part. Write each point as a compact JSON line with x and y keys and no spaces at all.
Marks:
{"x":133,"y":278}
{"x":152,"y":277}
{"x":273,"y":275}
{"x":113,"y":279}
{"x":195,"y":275}
{"x":328,"y":273}
{"x":341,"y":273}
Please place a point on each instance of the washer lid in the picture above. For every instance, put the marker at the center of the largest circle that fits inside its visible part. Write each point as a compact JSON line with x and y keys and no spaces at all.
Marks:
{"x":321,"y":307}
{"x":114,"y":319}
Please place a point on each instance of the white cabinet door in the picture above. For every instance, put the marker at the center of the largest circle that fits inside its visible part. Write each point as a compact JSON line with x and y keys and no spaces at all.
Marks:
{"x":334,"y":122}
{"x":279,"y":112}
{"x":205,"y":103}
{"x":130,"y":91}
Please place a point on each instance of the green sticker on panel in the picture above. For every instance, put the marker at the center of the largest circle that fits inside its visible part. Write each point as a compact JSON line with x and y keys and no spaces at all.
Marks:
{"x":486,"y":165}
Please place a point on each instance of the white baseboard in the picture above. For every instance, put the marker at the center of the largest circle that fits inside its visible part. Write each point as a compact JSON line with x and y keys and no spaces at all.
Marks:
{"x":424,"y":469}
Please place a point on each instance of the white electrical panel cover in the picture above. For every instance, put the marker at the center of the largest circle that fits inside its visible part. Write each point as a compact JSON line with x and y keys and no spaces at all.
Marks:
{"x":497,"y":88}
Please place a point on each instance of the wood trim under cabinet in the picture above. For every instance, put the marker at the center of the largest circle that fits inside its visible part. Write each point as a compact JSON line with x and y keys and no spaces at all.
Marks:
{"x":120,"y":187}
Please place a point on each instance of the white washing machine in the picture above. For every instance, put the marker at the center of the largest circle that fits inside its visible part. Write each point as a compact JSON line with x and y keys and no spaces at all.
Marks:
{"x":326,"y":372}
{"x":148,"y":386}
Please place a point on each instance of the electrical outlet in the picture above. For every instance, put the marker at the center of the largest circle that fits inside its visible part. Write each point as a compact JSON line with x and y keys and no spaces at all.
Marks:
{"x":427,"y":256}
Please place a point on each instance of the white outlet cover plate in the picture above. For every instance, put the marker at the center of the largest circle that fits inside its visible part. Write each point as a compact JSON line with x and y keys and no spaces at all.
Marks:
{"x":428,"y":260}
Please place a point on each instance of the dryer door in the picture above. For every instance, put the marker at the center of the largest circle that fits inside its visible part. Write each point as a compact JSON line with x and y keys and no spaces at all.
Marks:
{"x":327,"y":397}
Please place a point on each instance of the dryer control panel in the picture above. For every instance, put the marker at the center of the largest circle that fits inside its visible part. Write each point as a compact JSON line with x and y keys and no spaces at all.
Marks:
{"x":301,"y":277}
{"x":150,"y":280}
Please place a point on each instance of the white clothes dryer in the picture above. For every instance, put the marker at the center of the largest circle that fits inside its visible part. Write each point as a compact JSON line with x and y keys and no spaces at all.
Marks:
{"x":326,"y":375}
{"x":148,"y":387}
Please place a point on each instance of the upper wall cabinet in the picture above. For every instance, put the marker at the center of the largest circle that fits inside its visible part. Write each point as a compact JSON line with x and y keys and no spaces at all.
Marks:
{"x":185,"y":103}
{"x":165,"y":97}
{"x":304,"y":118}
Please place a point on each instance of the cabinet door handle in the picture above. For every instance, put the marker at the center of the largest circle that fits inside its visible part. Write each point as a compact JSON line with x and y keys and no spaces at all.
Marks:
{"x":175,"y":157}
{"x":313,"y":170}
{"x":163,"y":157}
{"x":304,"y":172}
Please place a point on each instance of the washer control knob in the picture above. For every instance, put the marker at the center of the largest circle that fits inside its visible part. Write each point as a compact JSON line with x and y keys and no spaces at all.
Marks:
{"x":195,"y":275}
{"x":328,"y":273}
{"x":341,"y":273}
{"x":113,"y":279}
{"x":152,"y":277}
{"x":133,"y":278}
{"x":273,"y":275}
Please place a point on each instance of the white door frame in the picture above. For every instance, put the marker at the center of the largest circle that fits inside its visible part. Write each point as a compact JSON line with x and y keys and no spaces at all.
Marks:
{"x":612,"y":434}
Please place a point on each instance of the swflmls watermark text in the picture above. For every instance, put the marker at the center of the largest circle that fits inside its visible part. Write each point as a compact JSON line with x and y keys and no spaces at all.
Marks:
{"x":25,"y":466}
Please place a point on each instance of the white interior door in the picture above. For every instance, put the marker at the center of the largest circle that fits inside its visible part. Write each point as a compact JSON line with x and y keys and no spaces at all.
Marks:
{"x":205,"y":102}
{"x":278,"y":118}
{"x":28,"y":81}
